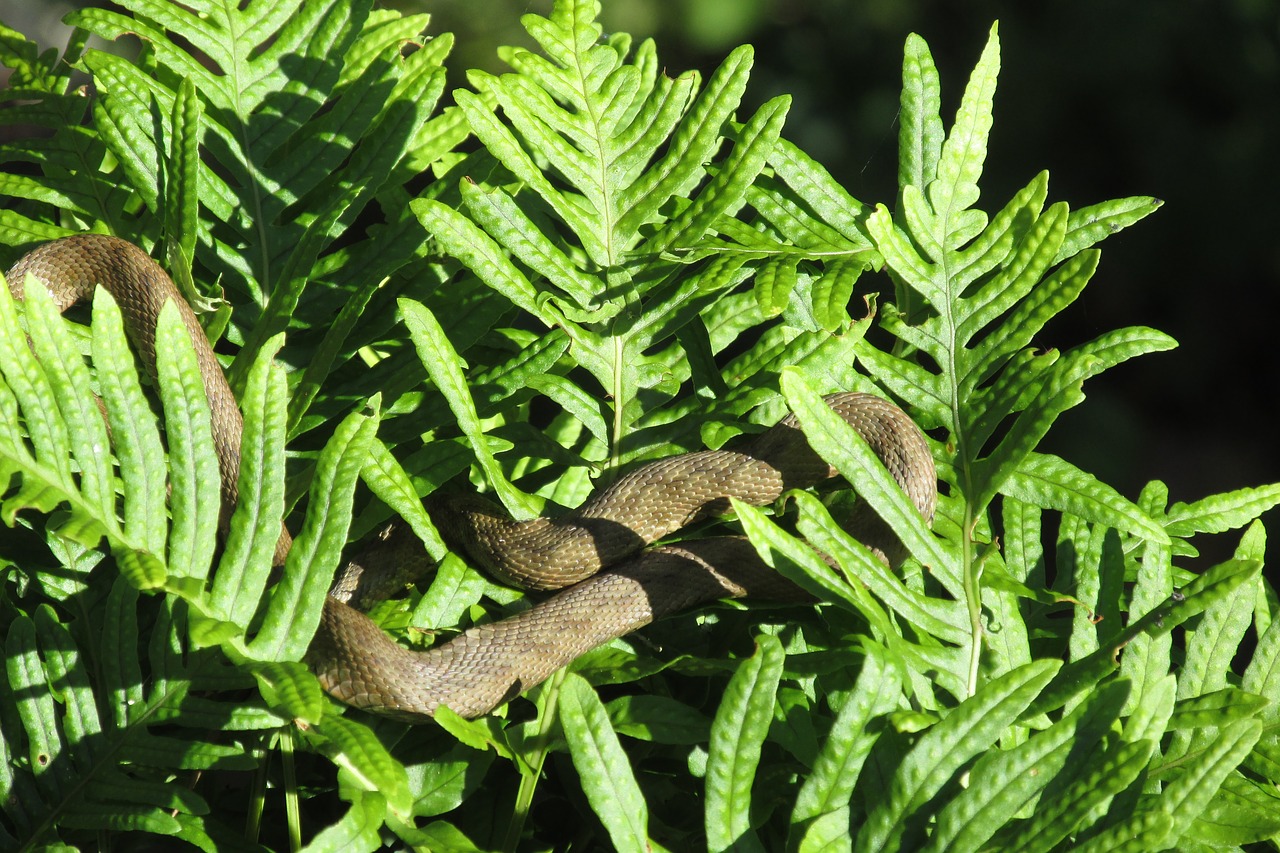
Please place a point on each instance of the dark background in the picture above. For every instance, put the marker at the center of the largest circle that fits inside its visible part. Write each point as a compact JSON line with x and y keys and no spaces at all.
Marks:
{"x":1174,"y":100}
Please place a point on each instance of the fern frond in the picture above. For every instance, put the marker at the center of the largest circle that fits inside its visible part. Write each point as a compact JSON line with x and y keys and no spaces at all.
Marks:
{"x":76,"y":719}
{"x":985,"y":288}
{"x":307,"y":112}
{"x":620,"y":170}
{"x":87,"y":698}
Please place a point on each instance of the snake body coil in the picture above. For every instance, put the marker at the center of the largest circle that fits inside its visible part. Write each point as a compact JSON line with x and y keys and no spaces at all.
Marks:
{"x":486,"y":665}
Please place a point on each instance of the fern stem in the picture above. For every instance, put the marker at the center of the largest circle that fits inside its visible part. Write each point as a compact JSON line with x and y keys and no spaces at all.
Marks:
{"x":965,"y":474}
{"x":972,"y":599}
{"x":531,"y":769}
{"x":619,"y":403}
{"x":289,"y":768}
{"x":253,"y":820}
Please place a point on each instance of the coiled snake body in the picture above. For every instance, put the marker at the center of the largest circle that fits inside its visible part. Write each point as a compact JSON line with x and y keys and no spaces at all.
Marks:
{"x":487,"y":665}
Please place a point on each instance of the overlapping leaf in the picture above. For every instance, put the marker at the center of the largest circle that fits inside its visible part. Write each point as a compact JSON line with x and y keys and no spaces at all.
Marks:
{"x":305,"y":114}
{"x":89,"y":758}
{"x":608,"y":167}
{"x":656,"y":266}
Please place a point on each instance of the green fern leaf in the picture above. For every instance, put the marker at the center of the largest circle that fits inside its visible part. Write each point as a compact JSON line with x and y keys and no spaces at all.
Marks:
{"x":1088,"y":225}
{"x":1212,"y":586}
{"x":443,"y":362}
{"x":1051,"y":482}
{"x":943,"y":619}
{"x":181,"y":187}
{"x":629,"y":164}
{"x":365,"y":761}
{"x":193,"y":463}
{"x":89,"y":773}
{"x":736,"y":737}
{"x":955,"y":188}
{"x":1220,"y":513}
{"x":294,"y":609}
{"x":1141,"y":832}
{"x":1004,"y":782}
{"x":920,"y":132}
{"x":607,"y":778}
{"x":835,"y":773}
{"x":774,"y":283}
{"x":1189,"y":792}
{"x":333,"y":136}
{"x":833,"y":439}
{"x":943,"y":749}
{"x":1112,"y":773}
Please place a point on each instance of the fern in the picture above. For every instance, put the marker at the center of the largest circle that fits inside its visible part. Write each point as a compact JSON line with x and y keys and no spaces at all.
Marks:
{"x":577,"y":248}
{"x":61,"y":766}
{"x":91,"y":701}
{"x":308,"y":113}
{"x":619,"y":266}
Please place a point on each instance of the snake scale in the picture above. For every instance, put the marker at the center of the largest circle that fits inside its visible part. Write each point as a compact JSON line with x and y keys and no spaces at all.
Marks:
{"x":489,"y":664}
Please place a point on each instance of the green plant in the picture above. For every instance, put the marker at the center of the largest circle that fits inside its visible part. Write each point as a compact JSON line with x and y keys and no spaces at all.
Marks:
{"x":617,"y":267}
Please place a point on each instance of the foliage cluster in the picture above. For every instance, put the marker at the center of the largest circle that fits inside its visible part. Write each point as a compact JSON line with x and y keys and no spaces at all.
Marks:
{"x":596,"y":263}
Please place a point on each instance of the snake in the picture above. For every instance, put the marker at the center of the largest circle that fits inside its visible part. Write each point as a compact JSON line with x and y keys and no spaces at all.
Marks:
{"x":601,"y":556}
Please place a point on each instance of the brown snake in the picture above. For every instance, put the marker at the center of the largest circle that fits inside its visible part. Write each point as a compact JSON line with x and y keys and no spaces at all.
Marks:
{"x":489,"y":664}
